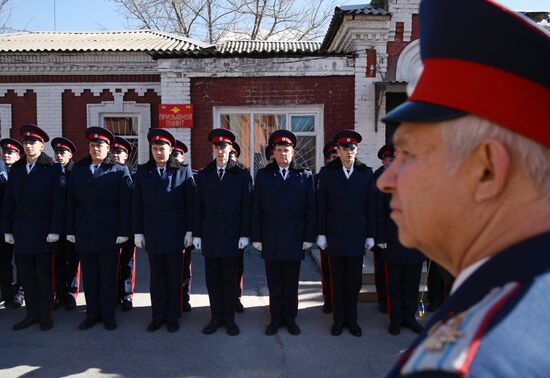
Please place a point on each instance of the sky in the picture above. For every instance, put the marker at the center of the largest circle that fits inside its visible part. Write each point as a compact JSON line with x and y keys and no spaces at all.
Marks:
{"x":89,"y":15}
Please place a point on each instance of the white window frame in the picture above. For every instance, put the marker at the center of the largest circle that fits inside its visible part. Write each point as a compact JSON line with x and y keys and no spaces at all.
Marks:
{"x":317,"y":111}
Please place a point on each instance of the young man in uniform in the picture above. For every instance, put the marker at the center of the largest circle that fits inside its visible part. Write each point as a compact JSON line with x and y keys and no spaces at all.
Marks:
{"x":283,"y":227}
{"x":222,"y":227}
{"x":67,"y":274}
{"x":32,"y":218}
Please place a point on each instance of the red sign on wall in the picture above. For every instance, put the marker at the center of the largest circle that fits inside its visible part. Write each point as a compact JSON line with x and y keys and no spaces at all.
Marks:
{"x":176,"y":115}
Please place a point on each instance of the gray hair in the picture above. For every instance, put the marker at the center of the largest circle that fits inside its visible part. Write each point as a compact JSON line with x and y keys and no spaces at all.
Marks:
{"x":461,"y":136}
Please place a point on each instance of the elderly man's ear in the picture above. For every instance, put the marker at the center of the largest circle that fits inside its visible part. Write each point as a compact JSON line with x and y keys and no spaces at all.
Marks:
{"x":490,"y":169}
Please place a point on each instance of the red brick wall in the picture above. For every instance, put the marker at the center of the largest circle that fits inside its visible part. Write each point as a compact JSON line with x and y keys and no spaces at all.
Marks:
{"x":23,"y":110}
{"x":150,"y":97}
{"x":336,"y":93}
{"x":395,"y":48}
{"x":79,"y":78}
{"x":74,"y":116}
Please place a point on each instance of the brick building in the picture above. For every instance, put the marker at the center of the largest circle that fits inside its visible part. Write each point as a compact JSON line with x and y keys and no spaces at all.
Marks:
{"x":66,"y":82}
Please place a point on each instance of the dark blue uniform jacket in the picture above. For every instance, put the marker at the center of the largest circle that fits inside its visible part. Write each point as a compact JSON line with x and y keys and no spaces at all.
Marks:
{"x":162,"y":206}
{"x":98,"y":205}
{"x":222,"y":209}
{"x":345,"y":208}
{"x":34,"y":205}
{"x":3,"y":184}
{"x":501,"y":315}
{"x":283,"y":212}
{"x":386,"y":231}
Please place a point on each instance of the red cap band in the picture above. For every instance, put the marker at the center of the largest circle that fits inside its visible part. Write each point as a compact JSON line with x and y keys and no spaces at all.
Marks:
{"x":118,"y":145}
{"x":179,"y":149}
{"x":346,"y":140}
{"x":61,"y":145}
{"x":282,"y":139}
{"x":28,"y":133}
{"x":221,"y":139}
{"x":11,"y":147}
{"x":100,"y":137}
{"x":161,"y":138}
{"x":502,"y":97}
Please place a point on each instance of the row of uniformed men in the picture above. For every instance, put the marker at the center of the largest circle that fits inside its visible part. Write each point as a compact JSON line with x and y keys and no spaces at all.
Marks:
{"x":215,"y":211}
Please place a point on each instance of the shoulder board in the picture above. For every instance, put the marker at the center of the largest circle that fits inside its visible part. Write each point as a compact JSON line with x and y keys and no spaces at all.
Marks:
{"x":451,"y":346}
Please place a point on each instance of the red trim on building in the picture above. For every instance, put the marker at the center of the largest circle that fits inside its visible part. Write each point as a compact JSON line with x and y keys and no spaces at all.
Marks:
{"x":150,"y":97}
{"x":395,"y":48}
{"x":23,"y":110}
{"x":11,"y":79}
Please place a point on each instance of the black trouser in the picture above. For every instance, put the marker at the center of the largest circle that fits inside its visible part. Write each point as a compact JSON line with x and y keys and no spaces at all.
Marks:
{"x":403,"y":283}
{"x":166,"y":288}
{"x":6,"y":271}
{"x":379,"y":275}
{"x":347,"y":278}
{"x":240,"y":271}
{"x":282,"y":280}
{"x":326,"y":285}
{"x":221,"y":273}
{"x":187,"y":273}
{"x":438,"y":287}
{"x":66,"y":271}
{"x":36,"y":278}
{"x":126,"y":270}
{"x":100,"y":285}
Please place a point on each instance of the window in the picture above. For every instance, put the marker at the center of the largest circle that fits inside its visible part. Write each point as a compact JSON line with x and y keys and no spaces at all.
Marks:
{"x":252,"y":128}
{"x":126,"y":127}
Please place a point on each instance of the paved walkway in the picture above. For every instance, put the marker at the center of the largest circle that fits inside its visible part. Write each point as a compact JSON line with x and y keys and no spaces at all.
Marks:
{"x":130,"y":351}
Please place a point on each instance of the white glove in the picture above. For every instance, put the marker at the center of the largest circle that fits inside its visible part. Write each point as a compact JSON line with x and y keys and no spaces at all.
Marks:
{"x":52,"y":238}
{"x":8,"y":238}
{"x":382,"y":245}
{"x":139,"y":240}
{"x":188,"y":239}
{"x":257,"y":245}
{"x":121,"y":239}
{"x":369,"y":243}
{"x":306,"y":245}
{"x":71,"y":238}
{"x":243,"y":242}
{"x":197,"y":243}
{"x":322,"y":241}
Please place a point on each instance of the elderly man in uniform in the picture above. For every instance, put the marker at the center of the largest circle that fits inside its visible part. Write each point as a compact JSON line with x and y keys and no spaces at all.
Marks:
{"x":126,"y":275}
{"x":178,"y":153}
{"x":345,"y":207}
{"x":162,"y":207}
{"x":222,"y":227}
{"x":283,"y":227}
{"x":402,"y":266}
{"x":32,"y":218}
{"x":12,"y":293}
{"x":98,"y":221}
{"x":66,"y":258}
{"x":330,"y":152}
{"x":470,"y":187}
{"x":234,"y":155}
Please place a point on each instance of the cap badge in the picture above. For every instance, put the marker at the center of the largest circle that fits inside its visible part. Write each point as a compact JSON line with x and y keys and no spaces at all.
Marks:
{"x":96,"y":136}
{"x":221,"y":138}
{"x":28,"y":133}
{"x":349,"y":140}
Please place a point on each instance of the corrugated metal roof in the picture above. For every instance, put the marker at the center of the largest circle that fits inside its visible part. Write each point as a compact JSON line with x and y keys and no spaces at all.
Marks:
{"x":129,"y":41}
{"x":340,"y":12}
{"x":251,"y":47}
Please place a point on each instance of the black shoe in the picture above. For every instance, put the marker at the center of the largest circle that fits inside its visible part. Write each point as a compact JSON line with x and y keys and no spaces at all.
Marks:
{"x":336,"y":329}
{"x":212,"y":327}
{"x":58,"y":303}
{"x":413,"y":325}
{"x":173,"y":326}
{"x":46,"y":324}
{"x":186,"y":307}
{"x":354,"y":329}
{"x":327,"y":308}
{"x":272,"y":328}
{"x":239,"y":308}
{"x":293,"y":328}
{"x":87,"y":324}
{"x":394,"y":329}
{"x":127,"y":305}
{"x":383,"y":307}
{"x":25,"y":323}
{"x":70,"y":303}
{"x":232,"y":328}
{"x":110,"y":325}
{"x":154,"y":326}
